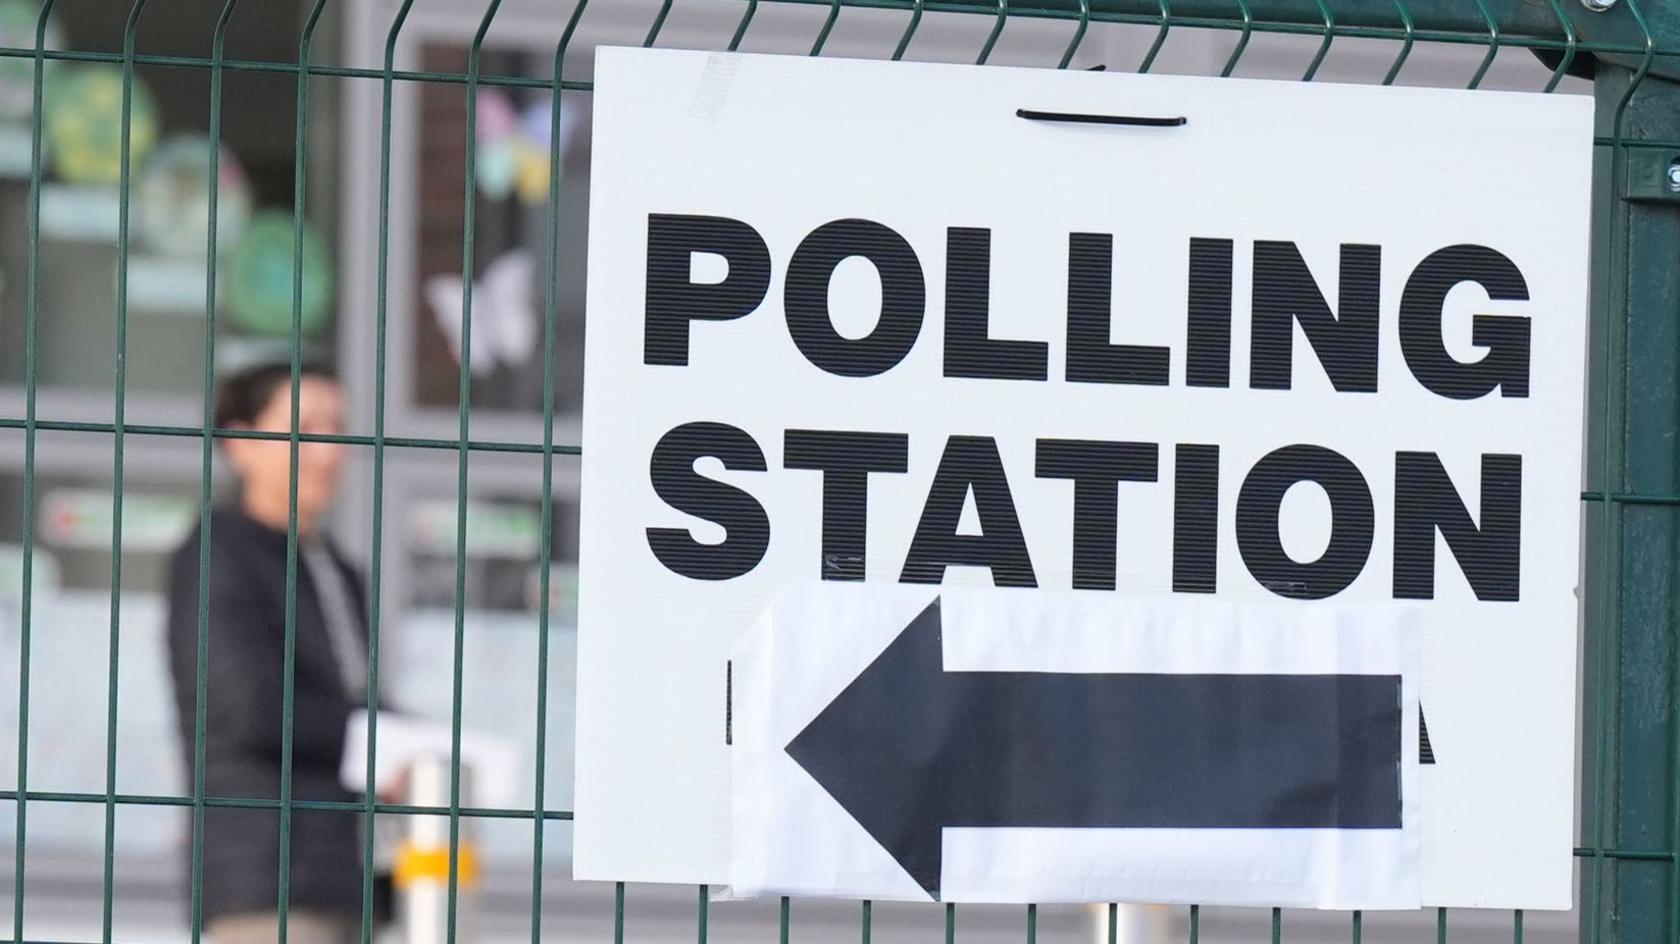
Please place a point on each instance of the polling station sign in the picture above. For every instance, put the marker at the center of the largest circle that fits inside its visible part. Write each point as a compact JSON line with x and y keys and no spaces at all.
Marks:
{"x":1277,"y":347}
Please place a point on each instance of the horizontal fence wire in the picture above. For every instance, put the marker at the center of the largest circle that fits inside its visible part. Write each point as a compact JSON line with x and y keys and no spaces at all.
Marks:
{"x":259,"y":803}
{"x":1407,"y":30}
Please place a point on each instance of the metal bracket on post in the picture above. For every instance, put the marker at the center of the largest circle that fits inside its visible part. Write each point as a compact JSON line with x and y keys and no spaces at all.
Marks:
{"x":1653,"y":176}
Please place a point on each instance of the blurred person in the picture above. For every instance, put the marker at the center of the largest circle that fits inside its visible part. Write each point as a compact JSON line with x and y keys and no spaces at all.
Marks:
{"x":245,"y":670}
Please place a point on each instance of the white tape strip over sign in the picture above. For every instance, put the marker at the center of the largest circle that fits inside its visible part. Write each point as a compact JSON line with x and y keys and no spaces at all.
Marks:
{"x":993,"y":745}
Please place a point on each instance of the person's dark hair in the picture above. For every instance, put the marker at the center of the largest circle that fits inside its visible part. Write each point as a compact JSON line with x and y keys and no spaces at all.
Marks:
{"x":243,"y":395}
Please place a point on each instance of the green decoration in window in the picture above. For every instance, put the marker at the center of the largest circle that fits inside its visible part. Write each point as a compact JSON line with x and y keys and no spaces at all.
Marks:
{"x":260,"y":277}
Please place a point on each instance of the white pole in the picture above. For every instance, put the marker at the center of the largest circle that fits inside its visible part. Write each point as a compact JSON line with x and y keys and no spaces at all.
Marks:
{"x":1136,"y":924}
{"x":422,"y":866}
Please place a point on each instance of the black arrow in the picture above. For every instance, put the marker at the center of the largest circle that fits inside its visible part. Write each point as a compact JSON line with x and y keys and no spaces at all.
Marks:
{"x":909,"y":748}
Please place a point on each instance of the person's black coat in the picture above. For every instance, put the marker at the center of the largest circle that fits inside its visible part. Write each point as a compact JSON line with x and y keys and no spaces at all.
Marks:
{"x":244,"y":679}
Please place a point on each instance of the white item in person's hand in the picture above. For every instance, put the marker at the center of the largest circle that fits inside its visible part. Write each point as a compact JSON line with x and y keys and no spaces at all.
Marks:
{"x":402,"y":739}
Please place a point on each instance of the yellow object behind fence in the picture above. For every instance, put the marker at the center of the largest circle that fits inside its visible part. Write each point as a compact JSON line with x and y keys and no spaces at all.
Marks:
{"x":415,"y":864}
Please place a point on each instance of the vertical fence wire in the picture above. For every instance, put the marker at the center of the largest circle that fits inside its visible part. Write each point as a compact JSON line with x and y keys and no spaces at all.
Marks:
{"x":1674,"y":781}
{"x":741,"y":28}
{"x":618,"y":913}
{"x":118,"y":419}
{"x":201,"y":705}
{"x":997,"y":31}
{"x":1242,"y":38}
{"x":1492,"y":44}
{"x":658,"y":23}
{"x":1410,"y":26}
{"x":475,"y":54}
{"x":376,"y":539}
{"x":1078,"y":34}
{"x":909,"y":30}
{"x":827,"y":27}
{"x":1160,"y":38}
{"x":1324,"y":46}
{"x":26,"y":593}
{"x":702,"y":915}
{"x":545,"y":554}
{"x":293,"y":443}
{"x":1570,"y":43}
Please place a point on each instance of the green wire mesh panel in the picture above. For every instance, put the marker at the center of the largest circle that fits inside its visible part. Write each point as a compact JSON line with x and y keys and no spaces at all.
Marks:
{"x":1630,"y":802}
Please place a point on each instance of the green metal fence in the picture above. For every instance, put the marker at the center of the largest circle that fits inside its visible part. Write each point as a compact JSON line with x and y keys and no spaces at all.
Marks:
{"x":1629,"y":846}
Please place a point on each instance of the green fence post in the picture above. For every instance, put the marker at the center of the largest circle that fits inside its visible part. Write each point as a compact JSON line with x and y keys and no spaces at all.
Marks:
{"x":1630,"y":881}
